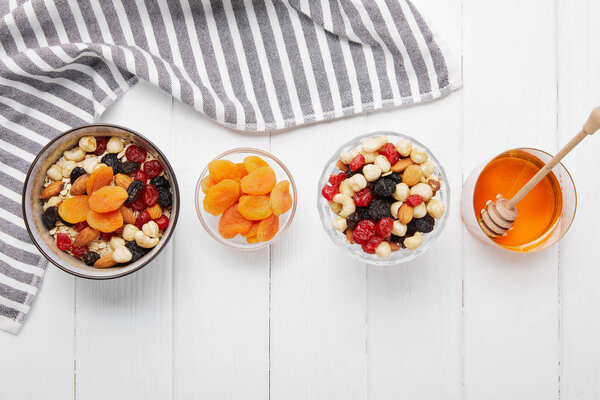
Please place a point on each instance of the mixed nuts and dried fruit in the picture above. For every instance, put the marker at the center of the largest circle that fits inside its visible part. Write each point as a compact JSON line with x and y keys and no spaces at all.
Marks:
{"x":384,"y":195}
{"x":106,"y":201}
{"x":248,"y":198}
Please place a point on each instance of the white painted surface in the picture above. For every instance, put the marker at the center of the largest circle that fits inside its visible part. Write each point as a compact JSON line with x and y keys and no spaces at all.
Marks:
{"x":462,"y":322}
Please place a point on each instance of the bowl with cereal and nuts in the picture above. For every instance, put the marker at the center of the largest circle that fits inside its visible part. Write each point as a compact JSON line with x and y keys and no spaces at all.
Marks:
{"x":383,"y":196}
{"x":100,"y":201}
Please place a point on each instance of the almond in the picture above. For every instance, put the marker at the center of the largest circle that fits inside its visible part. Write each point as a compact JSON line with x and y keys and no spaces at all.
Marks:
{"x":341,"y":166}
{"x":350,"y":236}
{"x":79,"y":185}
{"x":412,"y":175}
{"x":401,"y":165}
{"x":123,"y":181}
{"x":52,"y":190}
{"x":85,"y":236}
{"x":395,"y":246}
{"x":155,"y":211}
{"x":128,"y":217}
{"x":105,"y":261}
{"x":405,"y":213}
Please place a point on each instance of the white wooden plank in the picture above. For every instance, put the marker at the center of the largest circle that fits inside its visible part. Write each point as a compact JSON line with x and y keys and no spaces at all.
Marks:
{"x":318,"y":292}
{"x":221,"y":296}
{"x":511,"y":307}
{"x":578,"y":93}
{"x":38,"y":362}
{"x":124,"y":326}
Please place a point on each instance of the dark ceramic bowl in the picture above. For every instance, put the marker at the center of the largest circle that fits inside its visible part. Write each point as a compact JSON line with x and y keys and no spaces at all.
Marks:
{"x":32,"y":206}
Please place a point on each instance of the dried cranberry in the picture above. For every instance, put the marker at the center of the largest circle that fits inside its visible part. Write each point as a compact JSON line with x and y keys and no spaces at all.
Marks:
{"x":389,"y":151}
{"x":149,"y":195}
{"x":329,"y":192}
{"x":384,"y":227}
{"x":106,"y":236}
{"x":413,"y":200}
{"x":142,"y":219}
{"x":364,"y":231}
{"x":336,"y":180}
{"x":357,"y":163}
{"x":80,"y":251}
{"x":80,"y":226}
{"x":152,"y":168}
{"x":101,"y":142}
{"x":63,"y":241}
{"x":372,"y":244}
{"x":135,"y":153}
{"x":140,"y":176}
{"x":363,"y":197}
{"x":137,"y":205}
{"x":162,"y":222}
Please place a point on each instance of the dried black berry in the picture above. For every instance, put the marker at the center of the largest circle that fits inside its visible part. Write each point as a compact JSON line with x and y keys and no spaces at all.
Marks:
{"x":424,"y":224}
{"x":383,"y":187}
{"x":90,"y":257}
{"x":352,"y":220}
{"x":379,"y":209}
{"x":134,"y":190}
{"x":394,"y":177}
{"x":112,"y":161}
{"x":76,"y":173}
{"x":137,"y":252}
{"x":128,"y":167}
{"x":160,"y":182}
{"x":164,"y":198}
{"x":411,"y":229}
{"x":50,"y":217}
{"x":399,"y":240}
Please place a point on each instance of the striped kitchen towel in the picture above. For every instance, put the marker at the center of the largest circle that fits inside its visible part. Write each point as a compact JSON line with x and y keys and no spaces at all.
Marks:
{"x":251,"y":65}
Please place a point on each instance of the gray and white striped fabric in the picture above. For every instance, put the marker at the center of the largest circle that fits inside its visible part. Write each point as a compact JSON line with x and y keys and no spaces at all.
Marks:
{"x":251,"y":65}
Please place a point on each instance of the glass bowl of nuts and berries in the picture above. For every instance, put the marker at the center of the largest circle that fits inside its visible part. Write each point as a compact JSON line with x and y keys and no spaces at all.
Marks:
{"x":383,"y":196}
{"x":246,"y":198}
{"x":100,"y":201}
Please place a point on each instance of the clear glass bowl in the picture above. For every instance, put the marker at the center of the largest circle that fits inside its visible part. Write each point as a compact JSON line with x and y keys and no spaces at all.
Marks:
{"x":211,"y":222}
{"x":402,"y":255}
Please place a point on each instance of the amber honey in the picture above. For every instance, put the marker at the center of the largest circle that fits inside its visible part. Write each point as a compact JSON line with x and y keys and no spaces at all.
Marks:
{"x":539,"y":211}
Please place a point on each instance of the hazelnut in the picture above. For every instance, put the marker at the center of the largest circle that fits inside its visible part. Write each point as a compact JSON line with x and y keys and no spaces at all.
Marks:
{"x":87,"y":144}
{"x":55,"y":172}
{"x":436,"y":208}
{"x":420,"y":211}
{"x":402,"y":191}
{"x":371,"y":172}
{"x":382,"y":162}
{"x":404,"y":147}
{"x":418,"y":155}
{"x":114,"y":145}
{"x":383,"y":250}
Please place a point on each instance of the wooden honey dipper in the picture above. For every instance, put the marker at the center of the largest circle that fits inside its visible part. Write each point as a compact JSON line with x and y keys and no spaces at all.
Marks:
{"x":500,"y":215}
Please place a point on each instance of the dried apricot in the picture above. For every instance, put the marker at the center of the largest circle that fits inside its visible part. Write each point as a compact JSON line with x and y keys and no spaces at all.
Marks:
{"x":281,"y":199}
{"x":206,"y":184}
{"x":268,"y":228}
{"x":242,"y":168}
{"x":252,"y":231}
{"x":253,"y":162}
{"x":252,"y":239}
{"x":223,"y":169}
{"x":105,"y":222}
{"x":108,"y":198}
{"x":101,"y":177}
{"x":255,"y":208}
{"x":74,"y":209}
{"x":232,"y":223}
{"x":221,"y":196}
{"x":260,"y":181}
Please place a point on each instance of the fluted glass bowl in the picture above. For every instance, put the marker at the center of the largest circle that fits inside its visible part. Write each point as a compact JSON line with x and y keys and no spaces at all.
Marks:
{"x":211,"y":222}
{"x":339,"y":238}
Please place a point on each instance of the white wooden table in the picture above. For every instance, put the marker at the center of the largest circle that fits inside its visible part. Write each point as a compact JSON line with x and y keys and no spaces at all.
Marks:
{"x":302,"y":320}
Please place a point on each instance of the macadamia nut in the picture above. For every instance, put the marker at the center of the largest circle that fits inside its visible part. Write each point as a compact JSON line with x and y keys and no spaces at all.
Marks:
{"x":404,"y":147}
{"x":348,"y":156}
{"x":382,"y":162}
{"x":370,"y":157}
{"x":428,"y":168}
{"x":413,"y":242}
{"x":371,"y":172}
{"x":114,"y":145}
{"x":372,"y":144}
{"x":418,"y":155}
{"x":383,"y":250}
{"x":87,"y":144}
{"x":357,"y":182}
{"x":436,"y":208}
{"x":402,"y":191}
{"x":420,"y":211}
{"x":339,"y":224}
{"x":423,"y":190}
{"x":55,"y":172}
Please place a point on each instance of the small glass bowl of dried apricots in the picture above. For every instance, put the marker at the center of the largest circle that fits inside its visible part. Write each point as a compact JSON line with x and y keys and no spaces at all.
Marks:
{"x":246,"y":198}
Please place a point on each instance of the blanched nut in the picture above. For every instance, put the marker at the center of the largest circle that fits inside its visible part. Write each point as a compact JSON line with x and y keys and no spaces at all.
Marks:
{"x":345,"y":188}
{"x":372,"y":144}
{"x":371,"y":172}
{"x":67,"y":168}
{"x":114,"y":145}
{"x":89,"y":164}
{"x":116,"y":242}
{"x":413,"y":242}
{"x":418,"y":155}
{"x":144,"y":240}
{"x":75,"y":154}
{"x":423,"y":190}
{"x":382,"y":162}
{"x":420,"y":211}
{"x":428,"y":168}
{"x":399,"y":229}
{"x":129,"y":232}
{"x":394,"y":209}
{"x":347,"y":203}
{"x":357,"y":182}
{"x":348,"y":156}
{"x":370,"y":157}
{"x":436,"y":208}
{"x":52,"y":201}
{"x":402,"y":192}
{"x":150,"y":228}
{"x":404,"y":146}
{"x":55,"y":173}
{"x":383,"y":250}
{"x":122,"y":254}
{"x":339,"y":224}
{"x":87,"y":144}
{"x":335,"y":207}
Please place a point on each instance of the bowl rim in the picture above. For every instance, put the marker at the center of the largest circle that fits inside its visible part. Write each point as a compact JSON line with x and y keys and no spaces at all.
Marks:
{"x":173,"y":218}
{"x":226,"y":242}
